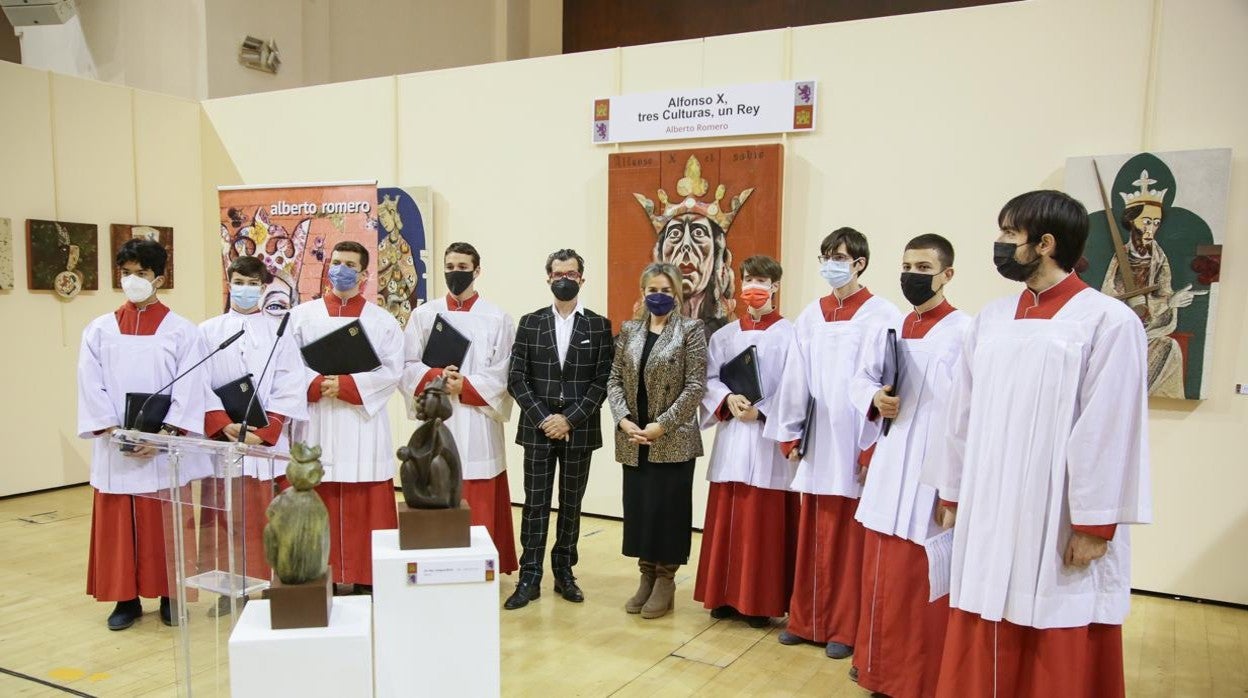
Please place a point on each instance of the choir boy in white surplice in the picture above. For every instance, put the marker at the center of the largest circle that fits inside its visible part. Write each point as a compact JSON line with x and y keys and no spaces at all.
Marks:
{"x":1045,"y":456}
{"x":828,"y":339}
{"x":478,"y":390}
{"x":749,"y":540}
{"x":900,"y":633}
{"x":347,"y":417}
{"x":136,"y":349}
{"x":280,"y":392}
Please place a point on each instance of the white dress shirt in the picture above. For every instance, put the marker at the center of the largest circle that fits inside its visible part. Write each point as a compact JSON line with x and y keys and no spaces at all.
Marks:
{"x":563,"y":330}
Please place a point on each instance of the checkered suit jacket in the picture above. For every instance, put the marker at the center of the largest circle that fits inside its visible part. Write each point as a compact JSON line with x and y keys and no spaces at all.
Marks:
{"x":577,"y":389}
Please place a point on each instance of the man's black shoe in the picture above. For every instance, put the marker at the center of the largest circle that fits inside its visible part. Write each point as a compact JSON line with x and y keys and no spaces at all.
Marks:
{"x":721,"y":612}
{"x":166,"y":612}
{"x":124,"y":614}
{"x":521,"y":597}
{"x":567,"y":588}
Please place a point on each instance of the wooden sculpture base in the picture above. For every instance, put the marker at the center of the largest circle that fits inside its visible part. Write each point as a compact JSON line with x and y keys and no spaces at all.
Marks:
{"x":304,"y":605}
{"x":422,"y":529}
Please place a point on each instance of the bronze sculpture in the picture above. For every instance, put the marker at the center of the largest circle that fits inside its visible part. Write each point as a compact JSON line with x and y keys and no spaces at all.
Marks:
{"x":296,"y":539}
{"x":430,"y":471}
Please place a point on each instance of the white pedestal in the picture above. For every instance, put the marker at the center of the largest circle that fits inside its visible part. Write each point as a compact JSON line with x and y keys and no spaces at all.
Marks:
{"x":435,"y":639}
{"x":332,"y":661}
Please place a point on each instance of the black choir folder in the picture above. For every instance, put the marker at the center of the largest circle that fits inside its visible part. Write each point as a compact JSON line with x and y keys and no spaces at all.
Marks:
{"x":344,"y":351}
{"x":446,"y":345}
{"x":235,"y":396}
{"x":153,"y":415}
{"x":892,"y":372}
{"x":808,"y":428}
{"x":741,"y":375}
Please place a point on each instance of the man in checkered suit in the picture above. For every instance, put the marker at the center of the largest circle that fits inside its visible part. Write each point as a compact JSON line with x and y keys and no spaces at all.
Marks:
{"x":559,"y":368}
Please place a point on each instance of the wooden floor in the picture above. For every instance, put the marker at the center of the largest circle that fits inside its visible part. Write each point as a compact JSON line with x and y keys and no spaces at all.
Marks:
{"x":50,"y":630}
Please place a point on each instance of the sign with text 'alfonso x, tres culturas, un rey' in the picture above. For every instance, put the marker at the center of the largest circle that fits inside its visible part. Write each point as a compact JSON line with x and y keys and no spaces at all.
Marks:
{"x":737,"y":110}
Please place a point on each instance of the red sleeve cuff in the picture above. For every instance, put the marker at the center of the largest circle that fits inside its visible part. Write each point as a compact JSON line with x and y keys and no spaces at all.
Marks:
{"x":347,"y":391}
{"x":873,"y":413}
{"x":214,"y":422}
{"x":787,"y":447}
{"x":722,"y":413}
{"x":948,"y":504}
{"x":270,"y":434}
{"x":430,"y":375}
{"x":1105,"y":532}
{"x":470,"y":396}
{"x":314,"y":390}
{"x":864,"y":457}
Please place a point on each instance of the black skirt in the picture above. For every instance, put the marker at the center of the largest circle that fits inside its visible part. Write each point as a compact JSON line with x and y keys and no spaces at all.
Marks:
{"x":658,"y":510}
{"x":658,"y":497}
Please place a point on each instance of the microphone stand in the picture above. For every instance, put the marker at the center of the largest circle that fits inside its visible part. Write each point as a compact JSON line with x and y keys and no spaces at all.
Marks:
{"x":242,"y":425}
{"x":138,"y":418}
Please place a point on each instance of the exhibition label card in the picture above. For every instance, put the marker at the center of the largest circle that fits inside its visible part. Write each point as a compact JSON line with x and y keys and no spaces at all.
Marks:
{"x":450,"y":571}
{"x":702,"y":112}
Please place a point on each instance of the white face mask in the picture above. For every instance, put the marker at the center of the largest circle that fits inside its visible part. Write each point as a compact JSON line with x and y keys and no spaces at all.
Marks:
{"x":136,"y":288}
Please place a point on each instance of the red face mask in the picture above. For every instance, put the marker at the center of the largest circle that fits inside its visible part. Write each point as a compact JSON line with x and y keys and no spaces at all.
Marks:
{"x":755,"y":296}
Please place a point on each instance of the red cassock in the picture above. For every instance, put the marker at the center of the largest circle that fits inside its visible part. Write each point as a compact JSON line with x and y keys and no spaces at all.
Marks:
{"x":900,"y":634}
{"x":984,"y":659}
{"x":749,"y":544}
{"x":356,"y":509}
{"x":127,"y":558}
{"x":826,"y":590}
{"x":490,"y":502}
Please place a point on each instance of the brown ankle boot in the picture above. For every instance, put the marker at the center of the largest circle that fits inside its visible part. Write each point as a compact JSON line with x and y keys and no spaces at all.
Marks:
{"x":662,"y":598}
{"x":635,"y":604}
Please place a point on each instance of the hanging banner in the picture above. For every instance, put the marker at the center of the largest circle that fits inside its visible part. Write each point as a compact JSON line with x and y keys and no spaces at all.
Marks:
{"x":737,"y":110}
{"x":293,"y":228}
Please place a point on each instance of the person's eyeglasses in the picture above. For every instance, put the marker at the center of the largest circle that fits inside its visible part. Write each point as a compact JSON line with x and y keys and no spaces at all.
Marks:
{"x":835,"y":258}
{"x":572,"y":275}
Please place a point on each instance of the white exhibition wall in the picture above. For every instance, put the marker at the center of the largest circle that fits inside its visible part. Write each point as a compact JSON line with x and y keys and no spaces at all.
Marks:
{"x":928,"y":123}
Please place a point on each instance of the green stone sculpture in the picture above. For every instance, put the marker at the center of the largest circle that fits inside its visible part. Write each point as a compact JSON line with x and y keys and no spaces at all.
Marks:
{"x":296,"y":539}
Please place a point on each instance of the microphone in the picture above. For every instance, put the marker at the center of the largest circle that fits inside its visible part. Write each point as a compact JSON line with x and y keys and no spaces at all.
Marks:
{"x":242,"y":427}
{"x":138,"y":418}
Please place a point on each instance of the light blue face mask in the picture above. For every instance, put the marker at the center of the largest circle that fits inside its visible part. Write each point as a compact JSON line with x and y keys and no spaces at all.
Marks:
{"x":343,"y":277}
{"x":836,"y":273}
{"x":245,"y":297}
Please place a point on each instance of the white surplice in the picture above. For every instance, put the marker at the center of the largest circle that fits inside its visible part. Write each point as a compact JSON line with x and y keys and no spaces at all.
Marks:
{"x":741,"y":453}
{"x":281,"y":390}
{"x":894,"y":502}
{"x":1047,"y":428}
{"x":821,"y":362}
{"x":354,"y":439}
{"x":478,"y":430}
{"x":111,"y":364}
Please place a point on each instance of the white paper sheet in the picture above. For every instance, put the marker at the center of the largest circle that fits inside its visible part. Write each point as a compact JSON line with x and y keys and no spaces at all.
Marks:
{"x":939,"y":563}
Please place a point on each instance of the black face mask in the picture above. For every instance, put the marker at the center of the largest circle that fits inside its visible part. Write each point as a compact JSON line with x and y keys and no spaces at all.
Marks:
{"x":1008,"y":266}
{"x":916,"y":287}
{"x":565,"y":289}
{"x":458,"y":281}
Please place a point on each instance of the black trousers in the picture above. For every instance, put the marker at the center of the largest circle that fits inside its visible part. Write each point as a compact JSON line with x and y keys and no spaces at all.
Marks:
{"x":539,"y":484}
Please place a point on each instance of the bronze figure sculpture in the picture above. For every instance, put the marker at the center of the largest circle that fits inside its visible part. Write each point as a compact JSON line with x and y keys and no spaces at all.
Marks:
{"x":430,"y":471}
{"x":296,"y":539}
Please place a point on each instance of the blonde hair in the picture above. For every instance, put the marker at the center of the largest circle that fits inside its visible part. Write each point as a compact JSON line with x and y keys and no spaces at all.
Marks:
{"x":674,"y":277}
